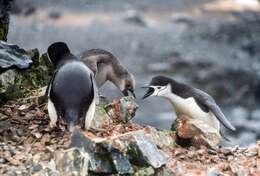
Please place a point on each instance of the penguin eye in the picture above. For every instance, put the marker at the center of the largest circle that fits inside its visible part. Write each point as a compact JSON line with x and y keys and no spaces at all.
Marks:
{"x":159,"y":87}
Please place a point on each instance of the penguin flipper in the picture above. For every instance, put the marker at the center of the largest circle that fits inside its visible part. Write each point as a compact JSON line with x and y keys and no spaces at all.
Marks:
{"x":208,"y":102}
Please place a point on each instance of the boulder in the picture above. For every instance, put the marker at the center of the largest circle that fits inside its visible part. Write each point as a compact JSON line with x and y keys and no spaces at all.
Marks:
{"x":121,"y":153}
{"x":72,"y":162}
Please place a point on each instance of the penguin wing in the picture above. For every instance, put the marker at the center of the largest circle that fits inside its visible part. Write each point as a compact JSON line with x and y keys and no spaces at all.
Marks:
{"x":95,"y":88}
{"x":47,"y":92}
{"x":207,"y":102}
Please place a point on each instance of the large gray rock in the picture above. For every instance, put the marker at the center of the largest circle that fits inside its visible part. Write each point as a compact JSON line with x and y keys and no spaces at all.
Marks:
{"x":104,"y":158}
{"x":12,"y":56}
{"x":119,"y":154}
{"x":72,"y":162}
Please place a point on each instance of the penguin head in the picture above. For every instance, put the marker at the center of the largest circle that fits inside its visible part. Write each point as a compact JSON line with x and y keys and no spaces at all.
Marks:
{"x":127,"y":84}
{"x":57,"y":51}
{"x":159,"y":86}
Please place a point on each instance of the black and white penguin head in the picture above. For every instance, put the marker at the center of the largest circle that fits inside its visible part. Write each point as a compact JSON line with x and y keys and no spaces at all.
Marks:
{"x":71,"y":90}
{"x":159,"y":86}
{"x":57,"y":52}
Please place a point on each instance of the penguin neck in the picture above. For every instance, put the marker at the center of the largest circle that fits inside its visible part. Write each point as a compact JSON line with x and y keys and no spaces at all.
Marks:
{"x":177,"y":102}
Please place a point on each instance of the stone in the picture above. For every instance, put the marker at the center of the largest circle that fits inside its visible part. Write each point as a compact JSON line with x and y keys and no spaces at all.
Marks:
{"x":134,"y":17}
{"x":162,"y":138}
{"x":104,"y":158}
{"x":148,"y":171}
{"x":142,"y":150}
{"x":255,"y":115}
{"x":12,"y":56}
{"x":212,"y":172}
{"x":118,"y":154}
{"x":5,"y":6}
{"x":197,"y":131}
{"x":122,"y":110}
{"x":72,"y":162}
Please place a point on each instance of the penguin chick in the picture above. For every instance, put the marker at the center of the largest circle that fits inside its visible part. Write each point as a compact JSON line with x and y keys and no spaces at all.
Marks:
{"x":107,"y":67}
{"x":189,"y":102}
{"x":71,"y":91}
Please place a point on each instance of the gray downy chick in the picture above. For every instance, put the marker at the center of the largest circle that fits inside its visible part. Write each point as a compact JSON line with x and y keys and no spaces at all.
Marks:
{"x":107,"y":67}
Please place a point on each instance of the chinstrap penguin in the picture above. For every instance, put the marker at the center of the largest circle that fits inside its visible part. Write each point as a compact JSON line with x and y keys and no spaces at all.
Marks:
{"x":188,"y":101}
{"x":107,"y":67}
{"x":71,"y":90}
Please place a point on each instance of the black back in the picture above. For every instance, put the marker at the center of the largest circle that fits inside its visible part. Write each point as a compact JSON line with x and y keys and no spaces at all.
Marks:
{"x":71,"y":87}
{"x":72,"y":91}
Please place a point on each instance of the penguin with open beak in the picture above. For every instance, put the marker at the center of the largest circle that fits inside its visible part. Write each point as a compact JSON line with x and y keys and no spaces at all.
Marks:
{"x":107,"y":67}
{"x":71,"y":90}
{"x":188,"y":101}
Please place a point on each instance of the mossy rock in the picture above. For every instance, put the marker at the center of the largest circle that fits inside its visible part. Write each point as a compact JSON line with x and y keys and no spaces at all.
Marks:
{"x":23,"y":82}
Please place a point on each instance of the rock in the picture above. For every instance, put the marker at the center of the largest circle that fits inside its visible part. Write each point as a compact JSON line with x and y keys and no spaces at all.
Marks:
{"x":212,"y":172}
{"x":72,"y":162}
{"x":117,"y":154}
{"x":159,"y":67}
{"x":122,"y":110}
{"x":142,"y":150}
{"x":197,"y":131}
{"x":100,"y":118}
{"x":134,"y":17}
{"x":148,"y":171}
{"x":26,"y":83}
{"x":104,"y":158}
{"x":240,"y":113}
{"x":12,"y":56}
{"x":164,"y":139}
{"x":5,"y":6}
{"x":22,"y":8}
{"x":255,"y":115}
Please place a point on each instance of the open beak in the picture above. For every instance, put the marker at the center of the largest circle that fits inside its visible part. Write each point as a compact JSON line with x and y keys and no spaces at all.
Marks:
{"x":125,"y":92}
{"x":149,"y":92}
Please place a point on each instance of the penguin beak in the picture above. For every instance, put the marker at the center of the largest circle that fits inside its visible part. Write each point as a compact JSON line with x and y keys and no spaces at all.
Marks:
{"x":126,"y":90}
{"x":149,"y":92}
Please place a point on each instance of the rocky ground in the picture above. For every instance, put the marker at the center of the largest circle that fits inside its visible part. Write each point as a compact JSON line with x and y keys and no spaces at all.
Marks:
{"x":29,"y":146}
{"x":212,"y":45}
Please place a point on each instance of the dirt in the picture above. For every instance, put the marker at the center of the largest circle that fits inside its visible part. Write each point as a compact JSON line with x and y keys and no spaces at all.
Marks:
{"x":26,"y":139}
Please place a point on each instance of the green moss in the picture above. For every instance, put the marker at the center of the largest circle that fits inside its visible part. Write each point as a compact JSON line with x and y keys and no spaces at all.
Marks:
{"x":31,"y":79}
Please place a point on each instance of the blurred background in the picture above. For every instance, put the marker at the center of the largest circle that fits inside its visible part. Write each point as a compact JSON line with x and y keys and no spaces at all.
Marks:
{"x":213,"y":45}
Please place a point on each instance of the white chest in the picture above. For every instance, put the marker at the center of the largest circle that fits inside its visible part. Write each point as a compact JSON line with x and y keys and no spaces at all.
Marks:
{"x":189,"y":107}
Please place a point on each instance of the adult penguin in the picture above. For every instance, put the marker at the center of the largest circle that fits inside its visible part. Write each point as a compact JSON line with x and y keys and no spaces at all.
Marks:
{"x":72,"y":88}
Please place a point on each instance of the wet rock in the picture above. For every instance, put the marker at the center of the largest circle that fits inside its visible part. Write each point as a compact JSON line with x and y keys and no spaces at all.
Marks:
{"x":104,"y":158}
{"x":117,"y":154}
{"x":162,"y":138}
{"x":197,"y":131}
{"x":12,"y":56}
{"x":122,"y":110}
{"x":72,"y":162}
{"x":149,"y":171}
{"x":142,"y":150}
{"x":55,"y":15}
{"x":255,"y":115}
{"x":22,"y":8}
{"x":134,"y":17}
{"x":212,"y":172}
{"x":5,"y":6}
{"x":240,"y":112}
